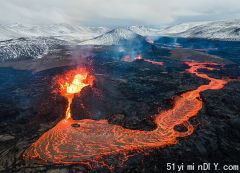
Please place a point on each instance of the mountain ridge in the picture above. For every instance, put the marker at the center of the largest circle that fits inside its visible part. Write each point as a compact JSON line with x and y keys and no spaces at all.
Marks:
{"x":228,"y":30}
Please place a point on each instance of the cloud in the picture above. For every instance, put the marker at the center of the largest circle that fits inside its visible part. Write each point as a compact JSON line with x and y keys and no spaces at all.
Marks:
{"x":117,"y":12}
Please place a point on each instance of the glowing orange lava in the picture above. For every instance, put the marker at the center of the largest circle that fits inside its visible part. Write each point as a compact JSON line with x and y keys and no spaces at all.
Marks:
{"x":154,"y":62}
{"x":150,"y":61}
{"x":127,"y":58}
{"x":73,"y":82}
{"x":149,"y":40}
{"x":139,"y":57}
{"x":94,"y":139}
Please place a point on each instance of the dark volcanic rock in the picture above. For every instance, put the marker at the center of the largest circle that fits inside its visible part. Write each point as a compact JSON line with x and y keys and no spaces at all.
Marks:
{"x":28,"y":107}
{"x":224,"y":103}
{"x":191,"y":55}
{"x":75,"y":125}
{"x":117,"y":119}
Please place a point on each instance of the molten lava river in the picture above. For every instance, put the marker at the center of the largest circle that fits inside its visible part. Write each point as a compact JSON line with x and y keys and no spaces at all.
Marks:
{"x":94,"y":139}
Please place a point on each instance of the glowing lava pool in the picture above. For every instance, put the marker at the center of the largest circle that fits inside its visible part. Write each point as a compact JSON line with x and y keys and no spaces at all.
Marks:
{"x":94,"y":139}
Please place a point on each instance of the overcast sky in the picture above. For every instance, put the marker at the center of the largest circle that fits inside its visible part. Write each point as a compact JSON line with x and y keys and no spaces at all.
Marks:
{"x":114,"y":13}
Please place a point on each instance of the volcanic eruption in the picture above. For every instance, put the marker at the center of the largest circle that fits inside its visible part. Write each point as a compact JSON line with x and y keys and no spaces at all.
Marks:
{"x":93,"y":139}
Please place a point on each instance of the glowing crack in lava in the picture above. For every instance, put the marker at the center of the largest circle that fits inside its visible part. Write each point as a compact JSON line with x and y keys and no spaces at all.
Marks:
{"x":94,"y":139}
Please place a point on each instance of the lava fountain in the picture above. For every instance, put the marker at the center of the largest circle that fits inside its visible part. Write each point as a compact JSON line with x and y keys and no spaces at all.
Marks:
{"x":65,"y":144}
{"x":139,"y":57}
{"x":72,"y":83}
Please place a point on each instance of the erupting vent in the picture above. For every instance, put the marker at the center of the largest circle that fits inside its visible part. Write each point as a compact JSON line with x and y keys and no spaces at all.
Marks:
{"x":139,"y":57}
{"x":73,"y":82}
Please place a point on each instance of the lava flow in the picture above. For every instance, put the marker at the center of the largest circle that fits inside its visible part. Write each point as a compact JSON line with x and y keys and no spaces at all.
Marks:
{"x":127,"y":58}
{"x":94,"y":139}
{"x":154,"y":62}
{"x":150,"y":61}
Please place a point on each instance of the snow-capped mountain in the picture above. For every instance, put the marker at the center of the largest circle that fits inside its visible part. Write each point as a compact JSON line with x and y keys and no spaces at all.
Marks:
{"x":6,"y":34}
{"x":180,"y":28}
{"x":92,"y":30}
{"x":143,"y":31}
{"x":20,"y":41}
{"x":28,"y":48}
{"x":220,"y":30}
{"x":115,"y":37}
{"x":45,"y":30}
{"x":62,"y":30}
{"x":57,"y":29}
{"x":33,"y":41}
